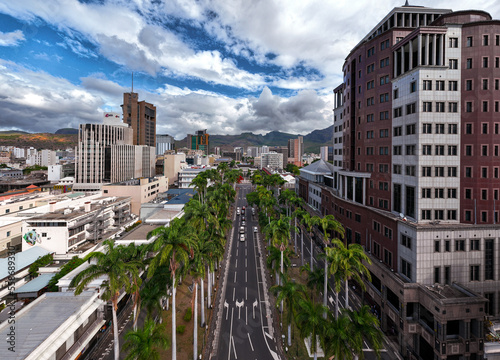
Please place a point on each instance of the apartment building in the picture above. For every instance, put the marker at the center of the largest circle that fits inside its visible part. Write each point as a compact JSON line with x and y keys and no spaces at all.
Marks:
{"x":415,"y":175}
{"x":141,"y":117}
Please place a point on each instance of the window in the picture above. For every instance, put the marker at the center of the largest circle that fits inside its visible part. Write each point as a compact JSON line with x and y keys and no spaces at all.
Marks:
{"x":468,"y":128}
{"x":447,"y":246}
{"x":452,"y":107}
{"x":397,"y":150}
{"x":410,"y":150}
{"x":452,"y":193}
{"x":489,"y":260}
{"x":468,"y":85}
{"x":370,"y":85}
{"x":468,"y":63}
{"x":484,"y":194}
{"x":427,"y":106}
{"x":426,"y":193}
{"x":468,"y":150}
{"x":369,"y":118}
{"x":427,"y":84}
{"x":384,"y":80}
{"x":497,"y":84}
{"x":474,"y":273}
{"x":485,"y":84}
{"x":384,"y":44}
{"x":384,"y":133}
{"x":485,"y":62}
{"x":397,"y":169}
{"x":370,"y":68}
{"x":453,"y":64}
{"x":460,"y":245}
{"x":484,"y":128}
{"x":452,"y":171}
{"x":437,"y":247}
{"x":427,"y":128}
{"x":384,"y":115}
{"x":384,"y":62}
{"x":452,"y":129}
{"x":8,"y":233}
{"x":439,"y":171}
{"x":468,"y":172}
{"x":384,"y":150}
{"x":383,"y":168}
{"x":406,"y":268}
{"x":497,"y":40}
{"x":398,"y":112}
{"x":387,"y":232}
{"x":440,"y":85}
{"x":453,"y":42}
{"x":398,"y":130}
{"x":452,"y":150}
{"x":439,"y":150}
{"x":410,"y":108}
{"x":439,"y":106}
{"x":468,"y":106}
{"x":439,"y":128}
{"x":426,"y":171}
{"x":384,"y":97}
{"x":369,"y":134}
{"x":406,"y":241}
{"x":452,"y":214}
{"x":485,"y":106}
{"x":453,"y":85}
{"x":426,"y":215}
{"x":370,"y":101}
{"x":369,"y":150}
{"x":439,"y":193}
{"x":410,"y":129}
{"x":469,"y":41}
{"x":437,"y":272}
{"x":388,"y":257}
{"x":426,"y":150}
{"x":395,"y":93}
{"x":484,"y":150}
{"x":485,"y":40}
{"x":497,"y":62}
{"x":410,"y":170}
{"x":484,"y":172}
{"x":371,"y":51}
{"x":439,"y":214}
{"x":468,"y":193}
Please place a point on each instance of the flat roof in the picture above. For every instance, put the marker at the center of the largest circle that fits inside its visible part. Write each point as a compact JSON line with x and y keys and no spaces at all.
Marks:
{"x":139,"y":233}
{"x":37,"y":321}
{"x":22,"y":259}
{"x":36,"y":284}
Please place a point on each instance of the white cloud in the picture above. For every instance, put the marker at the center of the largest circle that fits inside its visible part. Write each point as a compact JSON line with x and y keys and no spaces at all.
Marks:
{"x":13,"y":38}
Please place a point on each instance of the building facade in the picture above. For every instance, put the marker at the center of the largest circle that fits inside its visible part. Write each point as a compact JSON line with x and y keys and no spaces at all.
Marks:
{"x":296,"y":150}
{"x":199,"y":141}
{"x":140,"y":116}
{"x":164,"y":142}
{"x":415,"y":175}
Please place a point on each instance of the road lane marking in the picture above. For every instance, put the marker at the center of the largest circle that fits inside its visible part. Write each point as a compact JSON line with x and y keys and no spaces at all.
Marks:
{"x":246,"y":293}
{"x":245,"y":262}
{"x":249,"y":339}
{"x":235,"y":277}
{"x":234,"y":348}
{"x":246,"y":277}
{"x":234,"y":289}
{"x":231,"y":336}
{"x":236,"y":264}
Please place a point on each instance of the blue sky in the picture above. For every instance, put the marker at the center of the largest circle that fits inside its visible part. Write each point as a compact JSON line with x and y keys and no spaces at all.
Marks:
{"x":229,"y":66}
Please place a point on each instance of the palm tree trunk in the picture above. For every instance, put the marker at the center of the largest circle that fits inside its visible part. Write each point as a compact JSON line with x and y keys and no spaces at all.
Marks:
{"x":347,"y":293}
{"x":336,"y":305}
{"x":325,"y":286}
{"x":302,"y":247}
{"x":202,"y":301}
{"x":295,"y":235}
{"x":209,"y":289}
{"x":174,"y":327}
{"x":280,"y":282}
{"x":311,"y":252}
{"x":135,"y":316}
{"x":114,"y":306}
{"x":195,"y":326}
{"x":290,"y":332}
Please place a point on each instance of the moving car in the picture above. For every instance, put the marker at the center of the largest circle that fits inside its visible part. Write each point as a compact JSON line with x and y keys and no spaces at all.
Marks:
{"x":242,"y":237}
{"x":237,"y":211}
{"x":242,"y":229}
{"x":255,"y":229}
{"x":243,"y":223}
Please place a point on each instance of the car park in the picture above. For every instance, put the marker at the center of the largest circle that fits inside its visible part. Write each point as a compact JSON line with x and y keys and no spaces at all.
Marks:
{"x":242,"y":237}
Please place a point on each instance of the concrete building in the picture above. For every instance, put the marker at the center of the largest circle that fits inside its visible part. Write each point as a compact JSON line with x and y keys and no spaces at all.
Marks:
{"x":172,"y":165}
{"x":296,"y":150}
{"x":234,"y":155}
{"x":281,"y":150}
{"x":271,"y":160}
{"x":131,"y":161}
{"x":187,"y":175}
{"x":415,"y":179}
{"x":141,"y":190}
{"x":141,"y":117}
{"x":199,"y":141}
{"x":164,"y":143}
{"x":253,"y":151}
{"x":11,"y":173}
{"x":326,"y":153}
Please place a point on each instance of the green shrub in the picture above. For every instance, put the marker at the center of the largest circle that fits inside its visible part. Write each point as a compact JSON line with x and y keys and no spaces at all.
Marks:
{"x":40,"y":262}
{"x":180,"y":329}
{"x":70,"y":266}
{"x":188,"y":315}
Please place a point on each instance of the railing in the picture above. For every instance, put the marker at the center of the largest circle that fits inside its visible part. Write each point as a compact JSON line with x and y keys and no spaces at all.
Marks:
{"x":72,"y":352}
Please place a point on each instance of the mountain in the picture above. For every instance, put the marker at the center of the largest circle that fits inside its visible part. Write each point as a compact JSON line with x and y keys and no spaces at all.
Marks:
{"x":12,"y":132}
{"x":38,"y":141}
{"x":66,"y":131}
{"x":312,"y":141}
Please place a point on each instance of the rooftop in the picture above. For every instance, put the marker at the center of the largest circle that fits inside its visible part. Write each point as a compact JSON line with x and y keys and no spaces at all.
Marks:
{"x":22,"y":259}
{"x":36,"y":284}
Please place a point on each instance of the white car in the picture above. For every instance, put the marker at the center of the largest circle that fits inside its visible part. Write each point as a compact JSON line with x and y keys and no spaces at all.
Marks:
{"x":243,"y":223}
{"x":242,"y":237}
{"x":255,"y":229}
{"x":242,"y":229}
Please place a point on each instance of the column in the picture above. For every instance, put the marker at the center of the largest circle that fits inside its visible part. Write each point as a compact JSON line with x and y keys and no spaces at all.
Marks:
{"x":419,"y":49}
{"x":395,"y":63}
{"x":434,"y":38}
{"x":402,"y":59}
{"x":345,"y":187}
{"x":410,"y":52}
{"x":418,"y":20}
{"x":354,"y":189}
{"x":364,"y":191}
{"x":426,"y":53}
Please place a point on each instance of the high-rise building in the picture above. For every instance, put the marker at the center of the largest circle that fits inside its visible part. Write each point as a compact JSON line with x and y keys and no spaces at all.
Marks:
{"x":140,"y":116}
{"x":281,"y":150}
{"x":164,"y":142}
{"x":271,"y":160}
{"x":199,"y":141}
{"x":416,"y":174}
{"x":296,"y":150}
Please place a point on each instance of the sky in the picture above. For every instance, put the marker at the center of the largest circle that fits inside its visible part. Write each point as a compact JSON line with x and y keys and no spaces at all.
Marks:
{"x":228,"y":66}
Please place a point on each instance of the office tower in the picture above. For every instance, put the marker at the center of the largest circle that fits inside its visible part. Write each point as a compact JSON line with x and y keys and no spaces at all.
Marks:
{"x":416,"y":174}
{"x":164,"y":142}
{"x":296,"y":150}
{"x":281,"y":150}
{"x":141,"y":117}
{"x":199,"y":141}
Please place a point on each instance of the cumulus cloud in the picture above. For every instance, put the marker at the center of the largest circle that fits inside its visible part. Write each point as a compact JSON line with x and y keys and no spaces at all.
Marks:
{"x":13,"y":38}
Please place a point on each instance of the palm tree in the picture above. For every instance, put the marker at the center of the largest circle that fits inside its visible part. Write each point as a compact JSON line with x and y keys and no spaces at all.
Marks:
{"x":174,"y":245}
{"x":291,"y":293}
{"x":310,"y":322}
{"x":143,"y":344}
{"x":329,"y":223}
{"x":337,"y":338}
{"x":364,"y":325}
{"x":200,"y":183}
{"x":137,"y":253}
{"x":297,"y":202}
{"x":110,"y":263}
{"x":309,"y":222}
{"x":314,"y":279}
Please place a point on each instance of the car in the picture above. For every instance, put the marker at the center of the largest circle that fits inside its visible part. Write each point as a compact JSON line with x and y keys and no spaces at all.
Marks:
{"x":242,"y":229}
{"x":253,"y":211}
{"x":243,"y":223}
{"x":255,"y":229}
{"x":237,"y":211}
{"x":242,"y":237}
{"x":243,"y":208}
{"x":243,"y":218}
{"x":242,"y":211}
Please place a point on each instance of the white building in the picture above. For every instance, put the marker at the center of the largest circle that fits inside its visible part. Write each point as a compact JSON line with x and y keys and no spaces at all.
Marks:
{"x":55,"y":172}
{"x":164,"y":142}
{"x":187,"y":175}
{"x":271,"y":160}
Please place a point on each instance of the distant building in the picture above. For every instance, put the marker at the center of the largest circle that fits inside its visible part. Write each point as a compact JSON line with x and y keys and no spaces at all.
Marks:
{"x":187,"y":175}
{"x":164,"y":143}
{"x":253,"y":151}
{"x":326,"y":153}
{"x":271,"y":160}
{"x":296,"y":150}
{"x":140,"y":116}
{"x":200,"y":141}
{"x":281,"y":150}
{"x":173,"y":163}
{"x":11,"y":173}
{"x":235,"y":155}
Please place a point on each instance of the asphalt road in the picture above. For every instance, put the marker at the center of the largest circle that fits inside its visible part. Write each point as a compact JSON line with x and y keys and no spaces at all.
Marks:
{"x":246,"y":330}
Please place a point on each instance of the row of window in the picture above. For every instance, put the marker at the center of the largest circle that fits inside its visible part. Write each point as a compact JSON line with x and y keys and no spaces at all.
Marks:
{"x":439,"y":193}
{"x":469,"y":84}
{"x":470,"y":41}
{"x":483,"y":192}
{"x":485,"y":62}
{"x":439,"y":214}
{"x":439,"y":106}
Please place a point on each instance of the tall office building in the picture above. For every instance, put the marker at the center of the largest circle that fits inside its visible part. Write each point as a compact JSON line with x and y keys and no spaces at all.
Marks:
{"x":140,"y":116}
{"x":296,"y":150}
{"x":416,"y":175}
{"x":164,"y":142}
{"x":199,"y":141}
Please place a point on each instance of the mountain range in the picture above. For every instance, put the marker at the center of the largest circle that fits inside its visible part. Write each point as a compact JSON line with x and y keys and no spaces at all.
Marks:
{"x":68,"y":138}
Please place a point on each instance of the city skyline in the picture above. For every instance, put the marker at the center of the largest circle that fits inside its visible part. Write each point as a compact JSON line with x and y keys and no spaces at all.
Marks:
{"x":223,"y":67}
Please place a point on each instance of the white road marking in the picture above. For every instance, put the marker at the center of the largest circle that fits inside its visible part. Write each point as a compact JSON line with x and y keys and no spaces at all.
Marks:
{"x":234,"y":289}
{"x":235,"y":276}
{"x":251,"y":345}
{"x":246,"y":277}
{"x":269,"y":336}
{"x":245,"y":262}
{"x":231,"y":336}
{"x":234,"y":348}
{"x":236,"y":264}
{"x":246,"y":293}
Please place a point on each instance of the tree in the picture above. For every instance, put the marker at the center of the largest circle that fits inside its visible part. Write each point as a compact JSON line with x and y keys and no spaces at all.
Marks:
{"x":329,"y":223}
{"x":111,"y":264}
{"x":337,"y":338}
{"x":291,"y":293}
{"x":314,"y":279}
{"x":200,"y":183}
{"x":174,"y":245}
{"x":143,"y":344}
{"x":155,"y":290}
{"x":309,"y":222}
{"x":299,"y":213}
{"x":364,"y":325}
{"x":310,"y":322}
